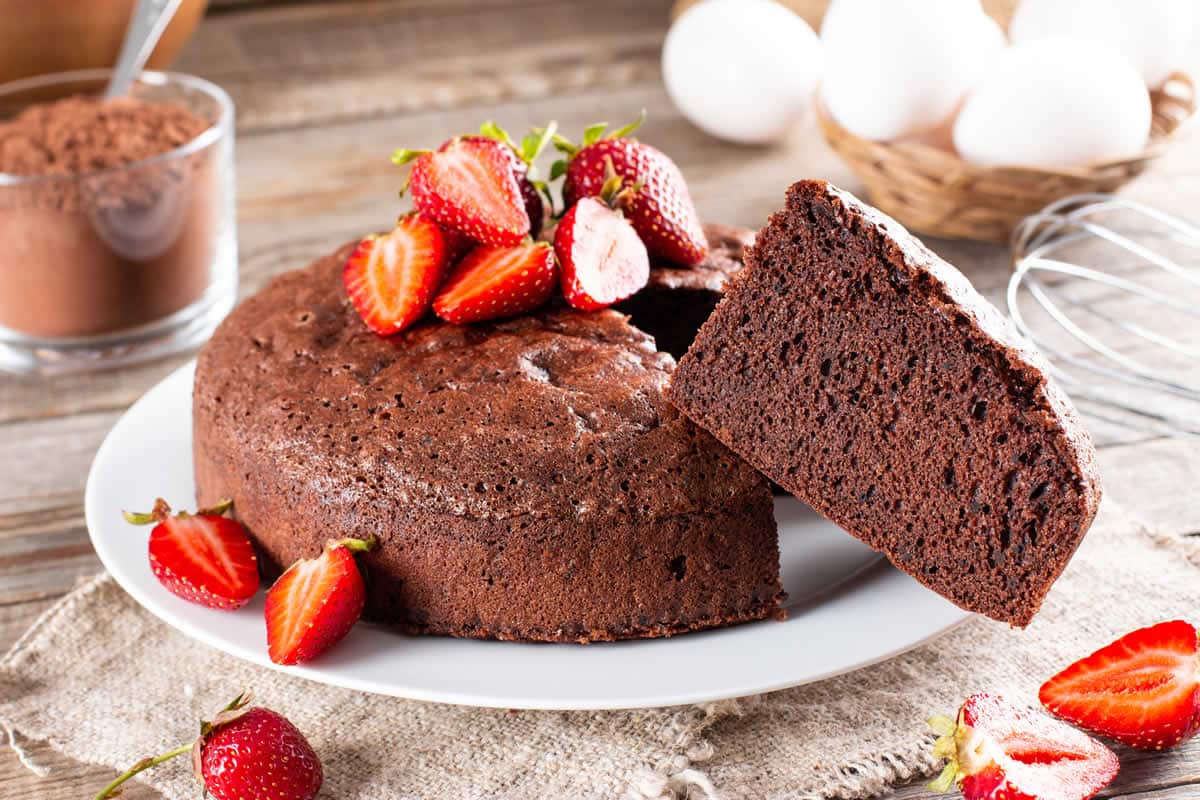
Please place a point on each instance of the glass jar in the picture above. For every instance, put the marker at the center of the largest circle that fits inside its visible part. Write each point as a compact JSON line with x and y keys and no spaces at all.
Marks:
{"x":120,"y":265}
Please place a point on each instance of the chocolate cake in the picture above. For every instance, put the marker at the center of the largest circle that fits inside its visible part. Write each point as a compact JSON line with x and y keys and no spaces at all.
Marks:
{"x":526,"y":479}
{"x":865,"y":375}
{"x":677,"y":300}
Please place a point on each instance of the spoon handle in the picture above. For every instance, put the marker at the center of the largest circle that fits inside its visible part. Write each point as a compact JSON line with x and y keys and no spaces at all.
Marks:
{"x":149,"y":20}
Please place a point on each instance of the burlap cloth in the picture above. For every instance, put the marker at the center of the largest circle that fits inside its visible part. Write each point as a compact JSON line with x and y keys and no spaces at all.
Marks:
{"x":105,"y":682}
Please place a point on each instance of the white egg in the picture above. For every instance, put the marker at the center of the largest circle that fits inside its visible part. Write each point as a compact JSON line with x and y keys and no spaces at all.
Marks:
{"x":1096,"y":20}
{"x":743,"y":70}
{"x":1055,"y":103}
{"x":1158,"y":35}
{"x":896,"y":68}
{"x":1155,"y":35}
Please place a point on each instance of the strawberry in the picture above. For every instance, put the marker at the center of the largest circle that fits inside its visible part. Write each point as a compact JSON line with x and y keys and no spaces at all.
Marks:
{"x":495,"y":282}
{"x":602,"y":258}
{"x":1142,"y":690}
{"x":468,"y":184}
{"x":662,"y":212}
{"x":997,"y":751}
{"x":205,"y":558}
{"x":521,"y":158}
{"x":390,"y":279}
{"x":244,"y":752}
{"x":315,"y":603}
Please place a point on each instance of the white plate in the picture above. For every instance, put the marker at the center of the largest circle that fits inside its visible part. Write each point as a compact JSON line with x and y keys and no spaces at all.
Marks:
{"x":847,"y":607}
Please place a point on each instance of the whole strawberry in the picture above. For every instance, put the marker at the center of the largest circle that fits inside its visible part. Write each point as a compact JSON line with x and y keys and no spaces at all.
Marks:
{"x":244,"y":752}
{"x":205,"y":558}
{"x":661,"y":212}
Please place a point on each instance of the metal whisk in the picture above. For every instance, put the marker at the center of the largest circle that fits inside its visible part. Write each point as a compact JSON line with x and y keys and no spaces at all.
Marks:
{"x":1115,"y":291}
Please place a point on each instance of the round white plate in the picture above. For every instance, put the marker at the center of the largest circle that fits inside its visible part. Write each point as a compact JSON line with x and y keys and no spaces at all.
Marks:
{"x":847,"y":607}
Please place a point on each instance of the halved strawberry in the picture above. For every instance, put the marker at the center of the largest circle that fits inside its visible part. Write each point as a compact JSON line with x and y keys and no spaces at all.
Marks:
{"x":603,"y":261}
{"x":390,"y":279}
{"x":998,"y":751}
{"x":521,"y":157}
{"x":495,"y":282}
{"x":1142,"y":690}
{"x":205,"y":557}
{"x":468,"y":184}
{"x":662,"y":212}
{"x":316,"y":602}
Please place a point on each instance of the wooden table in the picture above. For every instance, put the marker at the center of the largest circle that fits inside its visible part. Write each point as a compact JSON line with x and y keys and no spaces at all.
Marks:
{"x":325,"y":91}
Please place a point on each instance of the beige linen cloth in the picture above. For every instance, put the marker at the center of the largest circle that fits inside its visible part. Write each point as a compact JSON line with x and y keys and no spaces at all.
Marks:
{"x":105,"y":682}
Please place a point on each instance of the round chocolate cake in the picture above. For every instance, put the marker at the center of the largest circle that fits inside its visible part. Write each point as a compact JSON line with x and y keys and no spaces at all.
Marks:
{"x":526,"y":479}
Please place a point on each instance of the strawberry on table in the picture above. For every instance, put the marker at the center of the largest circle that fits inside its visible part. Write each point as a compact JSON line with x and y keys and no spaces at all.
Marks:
{"x":316,"y":602}
{"x":997,"y":751}
{"x":390,"y":278}
{"x":495,"y":282}
{"x":662,"y":212}
{"x":602,"y":259}
{"x":468,"y":184}
{"x":242,"y":753}
{"x":1142,"y":690}
{"x":205,"y":557}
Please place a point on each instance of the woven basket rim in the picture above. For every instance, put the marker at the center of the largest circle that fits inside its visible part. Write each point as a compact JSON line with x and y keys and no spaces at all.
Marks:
{"x":922,"y":151}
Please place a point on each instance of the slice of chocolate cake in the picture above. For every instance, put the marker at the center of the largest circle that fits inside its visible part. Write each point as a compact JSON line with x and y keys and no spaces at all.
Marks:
{"x":865,"y":375}
{"x":676,"y":300}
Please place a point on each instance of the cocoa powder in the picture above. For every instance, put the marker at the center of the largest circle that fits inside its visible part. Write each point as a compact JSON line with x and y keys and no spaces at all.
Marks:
{"x":95,"y":241}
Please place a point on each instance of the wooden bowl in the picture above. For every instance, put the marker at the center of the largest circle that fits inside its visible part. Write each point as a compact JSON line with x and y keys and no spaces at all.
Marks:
{"x":933,"y":191}
{"x":58,"y":35}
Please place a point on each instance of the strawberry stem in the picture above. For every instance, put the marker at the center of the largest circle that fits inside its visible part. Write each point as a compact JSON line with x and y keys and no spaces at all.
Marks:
{"x":160,"y":512}
{"x":217,"y":510}
{"x":354,"y":545}
{"x":141,"y":766}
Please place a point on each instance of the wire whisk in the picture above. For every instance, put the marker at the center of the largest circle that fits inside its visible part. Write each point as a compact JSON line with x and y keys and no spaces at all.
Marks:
{"x":1108,"y":290}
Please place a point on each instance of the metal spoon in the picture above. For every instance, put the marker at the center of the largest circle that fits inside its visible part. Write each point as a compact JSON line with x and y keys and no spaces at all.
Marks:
{"x":146,"y":26}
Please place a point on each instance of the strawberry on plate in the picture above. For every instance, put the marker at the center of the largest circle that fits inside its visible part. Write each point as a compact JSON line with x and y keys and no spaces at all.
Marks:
{"x":602,"y":259}
{"x":997,"y":751}
{"x":242,"y":753}
{"x":662,"y":211}
{"x":205,"y":557}
{"x":495,"y":282}
{"x":468,"y":185}
{"x":316,"y":602}
{"x":1142,"y":690}
{"x":390,"y":278}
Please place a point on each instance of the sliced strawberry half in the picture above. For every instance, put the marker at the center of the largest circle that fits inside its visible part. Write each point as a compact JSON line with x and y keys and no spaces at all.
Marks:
{"x":1142,"y":690}
{"x":315,"y":603}
{"x":468,"y":184}
{"x":602,"y":259}
{"x":998,"y":751}
{"x":205,"y":558}
{"x":390,"y":279}
{"x":495,"y":282}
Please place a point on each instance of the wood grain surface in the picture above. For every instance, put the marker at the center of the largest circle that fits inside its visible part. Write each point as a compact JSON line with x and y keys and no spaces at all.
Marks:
{"x":325,"y":91}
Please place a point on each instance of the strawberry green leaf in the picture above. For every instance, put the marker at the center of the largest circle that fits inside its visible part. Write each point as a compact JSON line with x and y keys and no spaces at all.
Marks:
{"x":628,"y":129}
{"x":943,"y":782}
{"x":404,"y":155}
{"x":558,"y":169}
{"x":493,"y":131}
{"x":593,"y":133}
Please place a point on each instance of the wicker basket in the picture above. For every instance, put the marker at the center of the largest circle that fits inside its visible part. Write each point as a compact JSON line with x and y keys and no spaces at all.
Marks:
{"x":937,"y":193}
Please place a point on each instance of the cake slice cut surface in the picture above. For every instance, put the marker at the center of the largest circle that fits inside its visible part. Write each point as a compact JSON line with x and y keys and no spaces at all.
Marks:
{"x":866,"y":376}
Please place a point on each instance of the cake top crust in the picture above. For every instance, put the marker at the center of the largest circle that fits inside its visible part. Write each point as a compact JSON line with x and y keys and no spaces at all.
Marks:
{"x":560,"y":413}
